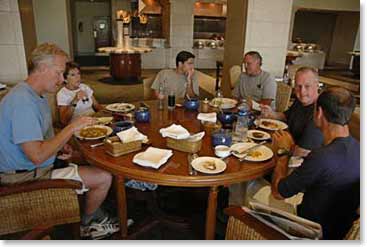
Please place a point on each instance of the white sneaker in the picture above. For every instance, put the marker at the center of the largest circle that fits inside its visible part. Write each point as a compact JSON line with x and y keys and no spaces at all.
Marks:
{"x":103,"y":229}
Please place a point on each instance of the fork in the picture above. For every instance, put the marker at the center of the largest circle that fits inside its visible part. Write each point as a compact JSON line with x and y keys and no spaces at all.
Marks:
{"x":190,"y":158}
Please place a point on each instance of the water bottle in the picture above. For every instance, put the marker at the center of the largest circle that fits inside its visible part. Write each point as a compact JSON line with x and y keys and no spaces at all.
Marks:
{"x":241,"y":127}
{"x":161,"y":96}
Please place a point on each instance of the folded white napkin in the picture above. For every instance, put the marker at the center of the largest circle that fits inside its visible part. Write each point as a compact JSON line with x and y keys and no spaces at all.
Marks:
{"x":2,"y":86}
{"x":209,"y":117}
{"x":256,"y":106}
{"x":153,"y":157}
{"x":175,"y":131}
{"x":131,"y":134}
{"x":196,"y":137}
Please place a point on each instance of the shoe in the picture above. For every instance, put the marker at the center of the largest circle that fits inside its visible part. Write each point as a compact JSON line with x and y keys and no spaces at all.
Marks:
{"x":102,"y":229}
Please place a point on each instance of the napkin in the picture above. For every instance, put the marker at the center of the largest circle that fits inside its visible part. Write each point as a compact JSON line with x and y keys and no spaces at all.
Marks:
{"x":153,"y":157}
{"x":2,"y":86}
{"x":131,"y":134}
{"x":175,"y":131}
{"x":255,"y":106}
{"x":209,"y":117}
{"x":196,"y":137}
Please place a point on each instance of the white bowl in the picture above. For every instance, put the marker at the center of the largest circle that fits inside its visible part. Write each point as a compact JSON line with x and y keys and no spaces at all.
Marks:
{"x":222,"y":151}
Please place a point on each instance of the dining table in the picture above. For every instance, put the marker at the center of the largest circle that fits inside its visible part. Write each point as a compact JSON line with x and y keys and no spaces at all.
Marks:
{"x":175,"y":172}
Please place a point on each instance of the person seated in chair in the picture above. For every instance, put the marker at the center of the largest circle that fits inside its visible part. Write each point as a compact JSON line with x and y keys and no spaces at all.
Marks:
{"x":299,"y":116}
{"x":182,"y":81}
{"x":255,"y":83}
{"x":330,"y":175}
{"x":28,"y":146}
{"x":75,"y":98}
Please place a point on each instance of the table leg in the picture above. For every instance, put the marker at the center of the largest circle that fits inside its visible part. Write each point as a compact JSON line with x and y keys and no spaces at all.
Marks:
{"x":211,"y":213}
{"x":119,"y":183}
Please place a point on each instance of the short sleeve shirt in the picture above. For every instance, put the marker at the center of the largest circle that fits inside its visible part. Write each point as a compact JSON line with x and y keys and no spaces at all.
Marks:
{"x":262,"y":86}
{"x":301,"y":126}
{"x":329,"y":177}
{"x":83,"y":108}
{"x":175,"y":82}
{"x":24,"y":116}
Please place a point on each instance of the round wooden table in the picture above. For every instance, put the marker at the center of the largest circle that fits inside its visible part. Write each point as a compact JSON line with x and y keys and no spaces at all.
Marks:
{"x":175,"y":171}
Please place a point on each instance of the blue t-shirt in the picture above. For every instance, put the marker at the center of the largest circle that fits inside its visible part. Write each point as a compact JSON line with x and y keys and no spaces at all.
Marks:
{"x":24,"y":116}
{"x":330,"y":180}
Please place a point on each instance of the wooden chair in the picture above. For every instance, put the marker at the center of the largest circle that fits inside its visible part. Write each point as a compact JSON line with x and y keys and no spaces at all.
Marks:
{"x":243,"y":226}
{"x":38,"y":205}
{"x":234,"y":74}
{"x":283,"y":96}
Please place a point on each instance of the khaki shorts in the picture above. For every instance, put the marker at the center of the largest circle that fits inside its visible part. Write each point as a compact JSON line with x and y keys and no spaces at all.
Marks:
{"x":70,"y":172}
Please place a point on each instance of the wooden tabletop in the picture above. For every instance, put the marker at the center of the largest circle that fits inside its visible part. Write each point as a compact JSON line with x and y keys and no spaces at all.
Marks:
{"x":175,"y":171}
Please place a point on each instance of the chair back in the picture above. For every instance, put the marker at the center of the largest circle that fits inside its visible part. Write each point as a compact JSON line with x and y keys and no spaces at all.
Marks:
{"x":234,"y":74}
{"x":283,"y":96}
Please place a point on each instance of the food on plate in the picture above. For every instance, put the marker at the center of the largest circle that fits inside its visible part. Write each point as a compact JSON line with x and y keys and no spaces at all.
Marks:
{"x":120,"y":107}
{"x":257,"y":134}
{"x":254,"y":154}
{"x":210,"y":165}
{"x":269,"y":124}
{"x":104,"y":120}
{"x":93,"y":132}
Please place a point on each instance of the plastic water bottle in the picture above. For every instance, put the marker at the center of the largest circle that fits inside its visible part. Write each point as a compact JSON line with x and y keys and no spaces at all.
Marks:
{"x":161,"y":96}
{"x":241,"y":126}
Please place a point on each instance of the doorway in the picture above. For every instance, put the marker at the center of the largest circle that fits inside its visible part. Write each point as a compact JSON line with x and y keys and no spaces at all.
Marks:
{"x":91,"y":27}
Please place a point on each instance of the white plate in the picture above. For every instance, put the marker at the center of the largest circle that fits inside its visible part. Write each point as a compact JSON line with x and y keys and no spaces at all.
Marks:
{"x":265,"y":136}
{"x":279,"y":124}
{"x":120,"y":107}
{"x":199,"y":165}
{"x":224,"y":103}
{"x":109,"y":131}
{"x":104,"y":120}
{"x":266,"y":153}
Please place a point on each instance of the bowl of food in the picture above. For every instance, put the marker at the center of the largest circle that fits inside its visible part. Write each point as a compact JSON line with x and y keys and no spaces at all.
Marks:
{"x":192,"y":104}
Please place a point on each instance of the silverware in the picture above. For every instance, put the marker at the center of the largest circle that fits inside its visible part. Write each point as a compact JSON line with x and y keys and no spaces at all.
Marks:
{"x":190,"y":158}
{"x":97,"y":144}
{"x":247,"y":151}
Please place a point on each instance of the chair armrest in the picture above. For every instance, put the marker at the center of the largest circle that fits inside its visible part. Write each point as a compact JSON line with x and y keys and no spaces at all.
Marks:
{"x":253,"y":223}
{"x":39,"y":185}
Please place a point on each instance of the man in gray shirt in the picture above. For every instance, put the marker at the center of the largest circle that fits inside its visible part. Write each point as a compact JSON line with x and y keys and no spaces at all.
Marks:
{"x":182,"y":81}
{"x":255,"y":83}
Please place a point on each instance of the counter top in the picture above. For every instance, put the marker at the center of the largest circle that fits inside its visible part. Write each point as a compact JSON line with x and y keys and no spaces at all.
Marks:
{"x":129,"y":50}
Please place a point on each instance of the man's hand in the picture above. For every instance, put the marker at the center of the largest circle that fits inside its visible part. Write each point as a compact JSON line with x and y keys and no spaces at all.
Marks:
{"x":190,"y":74}
{"x":266,"y":111}
{"x":66,"y":152}
{"x":82,"y":122}
{"x":282,"y":139}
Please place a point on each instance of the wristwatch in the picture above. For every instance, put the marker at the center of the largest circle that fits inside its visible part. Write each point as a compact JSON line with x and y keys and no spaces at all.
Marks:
{"x":283,"y":152}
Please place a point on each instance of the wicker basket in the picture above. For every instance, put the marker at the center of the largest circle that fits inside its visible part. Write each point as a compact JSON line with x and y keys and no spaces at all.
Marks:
{"x":115,"y":147}
{"x":184,"y":145}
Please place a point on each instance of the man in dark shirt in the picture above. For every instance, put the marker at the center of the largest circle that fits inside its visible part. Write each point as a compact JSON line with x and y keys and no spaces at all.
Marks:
{"x":329,"y":176}
{"x":299,"y":115}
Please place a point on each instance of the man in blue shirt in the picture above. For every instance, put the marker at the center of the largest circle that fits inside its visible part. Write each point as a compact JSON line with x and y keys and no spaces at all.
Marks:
{"x":329,"y":176}
{"x":28,"y":146}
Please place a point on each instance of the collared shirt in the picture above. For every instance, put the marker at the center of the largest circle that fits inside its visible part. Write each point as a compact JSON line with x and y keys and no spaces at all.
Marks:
{"x":301,"y":126}
{"x":175,"y":82}
{"x":261,"y":86}
{"x":24,"y":116}
{"x":329,"y":177}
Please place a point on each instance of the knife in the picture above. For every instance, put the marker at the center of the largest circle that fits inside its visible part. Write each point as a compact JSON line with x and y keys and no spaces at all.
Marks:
{"x":249,"y":150}
{"x":189,"y":159}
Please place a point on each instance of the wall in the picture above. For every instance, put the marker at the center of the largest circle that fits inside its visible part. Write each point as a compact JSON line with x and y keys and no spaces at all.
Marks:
{"x":357,"y":41}
{"x":181,"y":29}
{"x":85,"y":13}
{"x":13,"y":66}
{"x":343,"y":5}
{"x":346,"y":28}
{"x":267,"y":31}
{"x":52,"y":23}
{"x":315,"y":27}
